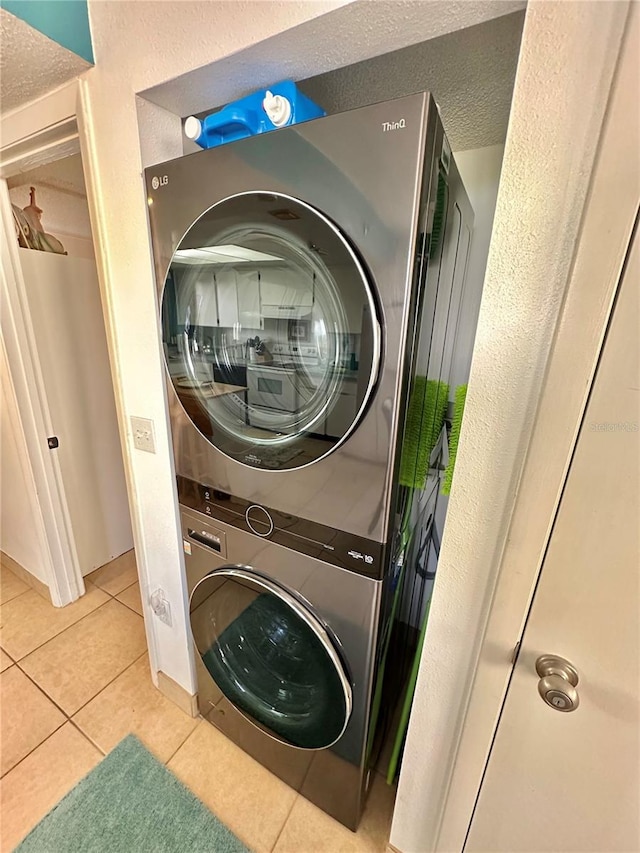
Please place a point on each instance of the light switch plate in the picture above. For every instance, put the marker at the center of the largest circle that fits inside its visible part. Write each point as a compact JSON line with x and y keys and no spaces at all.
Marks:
{"x":143,"y":437}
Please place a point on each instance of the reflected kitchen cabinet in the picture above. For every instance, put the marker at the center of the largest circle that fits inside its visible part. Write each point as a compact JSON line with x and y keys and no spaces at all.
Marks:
{"x":249,"y":301}
{"x":285,"y":292}
{"x":195,"y":295}
{"x":227,"y":297}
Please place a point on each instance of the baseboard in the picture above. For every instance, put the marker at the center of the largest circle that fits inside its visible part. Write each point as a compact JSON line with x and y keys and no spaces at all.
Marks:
{"x":26,"y":576}
{"x":178,"y":695}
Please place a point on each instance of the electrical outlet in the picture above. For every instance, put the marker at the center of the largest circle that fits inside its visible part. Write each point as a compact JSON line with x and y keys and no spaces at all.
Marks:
{"x":161,"y":607}
{"x":143,"y":437}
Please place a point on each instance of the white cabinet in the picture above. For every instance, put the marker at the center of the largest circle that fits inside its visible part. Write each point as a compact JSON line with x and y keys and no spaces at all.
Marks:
{"x":195,"y":296}
{"x":227,"y":294}
{"x":284,"y":289}
{"x":248,"y":287}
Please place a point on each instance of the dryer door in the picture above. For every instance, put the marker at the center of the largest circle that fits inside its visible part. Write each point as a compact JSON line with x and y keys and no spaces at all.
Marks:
{"x":270,"y":330}
{"x":271,"y":657}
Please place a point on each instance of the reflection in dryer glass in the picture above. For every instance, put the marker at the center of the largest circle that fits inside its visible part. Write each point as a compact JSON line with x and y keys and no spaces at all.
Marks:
{"x":269,"y":331}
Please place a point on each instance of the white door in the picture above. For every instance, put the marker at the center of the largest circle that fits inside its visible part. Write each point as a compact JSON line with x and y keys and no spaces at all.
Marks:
{"x":63,"y":299}
{"x":570,"y":781}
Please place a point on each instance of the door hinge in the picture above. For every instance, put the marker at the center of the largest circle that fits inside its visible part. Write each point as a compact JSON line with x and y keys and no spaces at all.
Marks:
{"x":53,"y":442}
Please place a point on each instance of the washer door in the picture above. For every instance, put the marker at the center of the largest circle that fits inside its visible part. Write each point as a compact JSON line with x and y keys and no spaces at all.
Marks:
{"x":271,"y":657}
{"x":270,"y":331}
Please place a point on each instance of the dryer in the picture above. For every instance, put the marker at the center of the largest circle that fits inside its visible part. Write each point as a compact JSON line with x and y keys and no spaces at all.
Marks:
{"x":337,"y":237}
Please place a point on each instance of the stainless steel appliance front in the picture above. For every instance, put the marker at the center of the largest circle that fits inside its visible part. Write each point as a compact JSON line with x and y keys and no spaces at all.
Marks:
{"x":285,"y":646}
{"x":302,"y":215}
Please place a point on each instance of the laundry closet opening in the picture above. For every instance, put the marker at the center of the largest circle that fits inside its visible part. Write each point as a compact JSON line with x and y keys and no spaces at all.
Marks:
{"x":318,"y":293}
{"x":470,"y":74}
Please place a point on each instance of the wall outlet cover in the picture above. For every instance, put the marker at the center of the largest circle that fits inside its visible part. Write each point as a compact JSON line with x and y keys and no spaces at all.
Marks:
{"x":161,"y":607}
{"x":143,"y":435}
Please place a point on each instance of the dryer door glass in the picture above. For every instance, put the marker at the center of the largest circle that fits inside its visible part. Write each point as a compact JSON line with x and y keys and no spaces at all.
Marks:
{"x":271,"y":657}
{"x":270,"y":331}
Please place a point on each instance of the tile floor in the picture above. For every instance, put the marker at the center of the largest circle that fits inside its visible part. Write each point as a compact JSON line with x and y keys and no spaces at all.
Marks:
{"x":74,"y":681}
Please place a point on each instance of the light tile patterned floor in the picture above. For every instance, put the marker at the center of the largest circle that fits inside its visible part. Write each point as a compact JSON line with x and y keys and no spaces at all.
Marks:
{"x":76,"y":680}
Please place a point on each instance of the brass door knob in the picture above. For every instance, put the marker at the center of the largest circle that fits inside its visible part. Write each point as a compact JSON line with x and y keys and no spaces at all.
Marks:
{"x":558,"y":681}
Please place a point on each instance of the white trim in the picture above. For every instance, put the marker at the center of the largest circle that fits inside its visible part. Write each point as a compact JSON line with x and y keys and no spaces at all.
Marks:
{"x":51,"y":144}
{"x":96,"y":201}
{"x":37,"y":116}
{"x":64,"y":574}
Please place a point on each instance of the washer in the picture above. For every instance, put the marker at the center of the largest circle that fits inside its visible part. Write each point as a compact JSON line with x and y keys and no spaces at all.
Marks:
{"x":285,"y":647}
{"x":337,"y":237}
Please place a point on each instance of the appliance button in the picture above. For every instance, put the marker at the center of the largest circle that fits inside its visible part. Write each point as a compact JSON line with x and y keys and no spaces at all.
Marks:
{"x":259,"y":520}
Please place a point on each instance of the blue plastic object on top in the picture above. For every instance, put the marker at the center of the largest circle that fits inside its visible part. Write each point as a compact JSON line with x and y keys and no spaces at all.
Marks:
{"x":267,"y":109}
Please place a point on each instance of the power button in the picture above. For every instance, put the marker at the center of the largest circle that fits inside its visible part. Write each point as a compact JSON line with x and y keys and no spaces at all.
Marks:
{"x":259,"y":520}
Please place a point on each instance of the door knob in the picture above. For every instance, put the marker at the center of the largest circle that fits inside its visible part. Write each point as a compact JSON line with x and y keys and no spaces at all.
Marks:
{"x":558,"y":681}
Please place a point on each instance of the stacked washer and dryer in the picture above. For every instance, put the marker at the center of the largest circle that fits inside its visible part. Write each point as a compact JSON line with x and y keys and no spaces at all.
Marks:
{"x":291,"y":528}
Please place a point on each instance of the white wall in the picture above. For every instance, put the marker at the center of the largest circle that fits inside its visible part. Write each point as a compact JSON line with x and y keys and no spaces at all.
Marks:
{"x":21,"y":534}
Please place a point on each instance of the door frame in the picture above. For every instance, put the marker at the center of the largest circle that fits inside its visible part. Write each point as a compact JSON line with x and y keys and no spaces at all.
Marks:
{"x":44,"y":131}
{"x":528,"y":647}
{"x":611,"y":208}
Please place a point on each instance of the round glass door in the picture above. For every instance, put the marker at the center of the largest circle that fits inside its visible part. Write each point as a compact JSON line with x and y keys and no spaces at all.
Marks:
{"x":271,"y":658}
{"x":270,"y":331}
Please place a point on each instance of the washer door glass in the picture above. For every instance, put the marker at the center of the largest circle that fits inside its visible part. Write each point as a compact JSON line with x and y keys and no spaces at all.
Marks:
{"x":271,"y":657}
{"x":270,"y":331}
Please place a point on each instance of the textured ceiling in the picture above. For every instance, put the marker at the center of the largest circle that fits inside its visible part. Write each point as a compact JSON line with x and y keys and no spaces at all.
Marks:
{"x":470,"y":73}
{"x":352,"y":33}
{"x":31,"y":64}
{"x":63,"y":174}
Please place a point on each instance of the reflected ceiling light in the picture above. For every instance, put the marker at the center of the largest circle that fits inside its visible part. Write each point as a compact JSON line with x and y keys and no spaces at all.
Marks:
{"x":222,"y":255}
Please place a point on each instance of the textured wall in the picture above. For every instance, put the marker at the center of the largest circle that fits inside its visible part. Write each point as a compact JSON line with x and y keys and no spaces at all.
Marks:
{"x":355,"y":32}
{"x":470,"y":73}
{"x":564,"y":73}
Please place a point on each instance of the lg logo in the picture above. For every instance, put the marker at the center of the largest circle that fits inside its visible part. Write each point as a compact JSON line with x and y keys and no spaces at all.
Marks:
{"x":157,"y":182}
{"x":393,"y":125}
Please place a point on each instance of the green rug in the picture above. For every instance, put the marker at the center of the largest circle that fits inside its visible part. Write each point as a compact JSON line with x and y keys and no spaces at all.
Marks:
{"x":130,"y":803}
